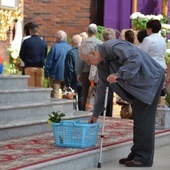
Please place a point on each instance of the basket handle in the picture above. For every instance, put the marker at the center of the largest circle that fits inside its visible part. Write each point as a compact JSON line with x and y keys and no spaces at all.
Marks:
{"x":67,"y":122}
{"x":84,"y":120}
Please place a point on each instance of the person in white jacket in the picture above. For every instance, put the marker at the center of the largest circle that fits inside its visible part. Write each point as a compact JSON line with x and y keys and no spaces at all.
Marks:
{"x":155,"y":45}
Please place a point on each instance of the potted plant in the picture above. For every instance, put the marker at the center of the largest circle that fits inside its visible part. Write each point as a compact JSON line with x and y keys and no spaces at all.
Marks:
{"x":139,"y":21}
{"x":55,"y":117}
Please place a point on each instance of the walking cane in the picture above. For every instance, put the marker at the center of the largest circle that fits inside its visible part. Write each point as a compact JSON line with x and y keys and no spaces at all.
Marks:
{"x":103,"y":124}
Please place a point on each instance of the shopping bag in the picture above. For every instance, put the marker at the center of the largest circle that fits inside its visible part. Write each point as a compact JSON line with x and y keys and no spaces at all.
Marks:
{"x":91,"y":98}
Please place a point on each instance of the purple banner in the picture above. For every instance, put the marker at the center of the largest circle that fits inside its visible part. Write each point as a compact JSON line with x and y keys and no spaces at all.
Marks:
{"x":117,"y":12}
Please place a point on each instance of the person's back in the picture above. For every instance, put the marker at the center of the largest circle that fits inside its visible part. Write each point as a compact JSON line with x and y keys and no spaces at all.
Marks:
{"x":154,"y":44}
{"x":84,"y":68}
{"x":92,"y":31}
{"x":109,"y":34}
{"x":55,"y":63}
{"x":71,"y":62}
{"x":155,"y":47}
{"x":34,"y":49}
{"x":54,"y":67}
{"x":33,"y":53}
{"x":71,"y":67}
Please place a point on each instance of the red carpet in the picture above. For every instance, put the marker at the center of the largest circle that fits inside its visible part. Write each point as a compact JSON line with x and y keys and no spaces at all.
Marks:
{"x":26,"y":151}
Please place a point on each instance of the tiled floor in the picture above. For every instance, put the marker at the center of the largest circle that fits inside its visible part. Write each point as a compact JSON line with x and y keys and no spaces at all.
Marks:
{"x":161,"y":161}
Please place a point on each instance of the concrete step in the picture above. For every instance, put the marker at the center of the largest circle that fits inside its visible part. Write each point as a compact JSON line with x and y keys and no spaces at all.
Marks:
{"x":30,"y":126}
{"x":33,"y":110}
{"x":24,"y":111}
{"x":89,"y":159}
{"x":13,"y":82}
{"x":20,"y":96}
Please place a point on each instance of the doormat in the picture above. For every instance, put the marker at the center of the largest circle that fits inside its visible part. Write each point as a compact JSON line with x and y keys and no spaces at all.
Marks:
{"x":26,"y":151}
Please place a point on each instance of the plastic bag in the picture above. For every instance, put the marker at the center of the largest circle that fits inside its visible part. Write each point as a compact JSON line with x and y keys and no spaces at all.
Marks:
{"x":68,"y":93}
{"x":91,"y":98}
{"x":93,"y":75}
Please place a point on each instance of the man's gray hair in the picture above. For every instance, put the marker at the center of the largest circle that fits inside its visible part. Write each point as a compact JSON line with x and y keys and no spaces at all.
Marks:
{"x":61,"y":35}
{"x":92,"y":29}
{"x":76,"y":40}
{"x":86,"y":47}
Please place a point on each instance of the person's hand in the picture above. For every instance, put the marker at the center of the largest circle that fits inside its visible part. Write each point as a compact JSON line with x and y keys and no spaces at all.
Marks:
{"x":92,"y":119}
{"x":112,"y":78}
{"x":79,"y":79}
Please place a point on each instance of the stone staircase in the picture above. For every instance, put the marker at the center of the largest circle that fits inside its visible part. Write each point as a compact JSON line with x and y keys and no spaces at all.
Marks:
{"x":24,"y":111}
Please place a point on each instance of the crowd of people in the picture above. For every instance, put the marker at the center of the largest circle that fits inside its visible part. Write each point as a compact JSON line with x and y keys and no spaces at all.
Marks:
{"x":133,"y":66}
{"x":62,"y":66}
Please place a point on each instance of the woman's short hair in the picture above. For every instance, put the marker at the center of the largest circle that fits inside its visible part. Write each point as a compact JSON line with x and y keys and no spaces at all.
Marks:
{"x":84,"y":35}
{"x":130,"y":36}
{"x":108,"y":34}
{"x":141,"y":35}
{"x":155,"y":25}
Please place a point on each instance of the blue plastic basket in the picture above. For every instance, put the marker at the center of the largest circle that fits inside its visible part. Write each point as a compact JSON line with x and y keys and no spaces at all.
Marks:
{"x":75,"y":133}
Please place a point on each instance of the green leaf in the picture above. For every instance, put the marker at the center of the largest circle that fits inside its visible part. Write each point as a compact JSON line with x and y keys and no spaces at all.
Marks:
{"x":56,"y":116}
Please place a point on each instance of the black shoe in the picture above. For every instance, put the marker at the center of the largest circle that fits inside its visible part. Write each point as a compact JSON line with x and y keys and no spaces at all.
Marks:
{"x":124,"y":160}
{"x":134,"y":163}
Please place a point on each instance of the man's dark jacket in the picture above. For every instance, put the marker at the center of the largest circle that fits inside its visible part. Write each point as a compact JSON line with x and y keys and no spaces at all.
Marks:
{"x":139,"y":75}
{"x":33,"y":51}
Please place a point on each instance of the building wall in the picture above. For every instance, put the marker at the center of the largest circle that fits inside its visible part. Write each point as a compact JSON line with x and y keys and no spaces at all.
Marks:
{"x":72,"y":16}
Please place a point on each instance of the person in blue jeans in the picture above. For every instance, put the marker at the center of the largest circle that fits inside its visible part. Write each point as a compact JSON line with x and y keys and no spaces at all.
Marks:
{"x":55,"y":63}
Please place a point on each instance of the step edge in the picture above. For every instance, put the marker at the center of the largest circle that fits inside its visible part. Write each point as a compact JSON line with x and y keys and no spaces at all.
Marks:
{"x":35,"y":122}
{"x":25,"y":105}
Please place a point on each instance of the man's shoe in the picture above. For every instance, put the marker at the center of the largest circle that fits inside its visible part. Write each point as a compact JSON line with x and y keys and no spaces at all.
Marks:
{"x":123,"y":160}
{"x":134,"y":163}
